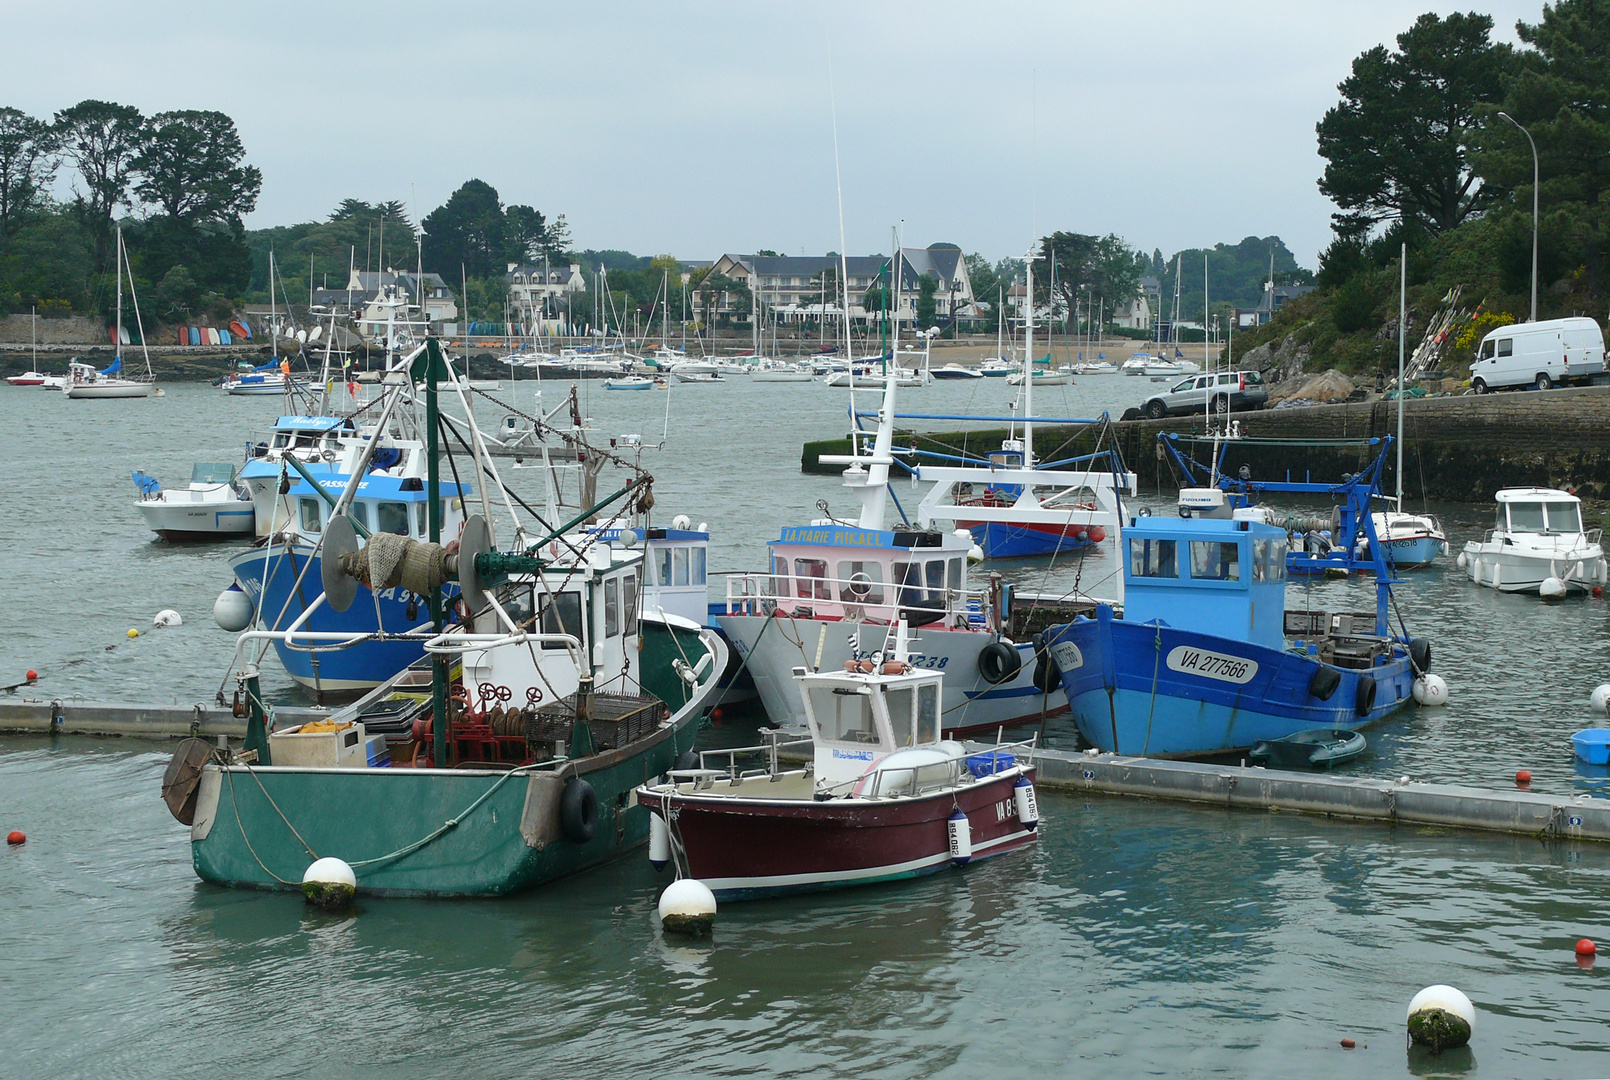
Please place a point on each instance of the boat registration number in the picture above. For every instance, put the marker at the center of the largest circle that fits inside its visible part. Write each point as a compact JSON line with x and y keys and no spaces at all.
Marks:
{"x":1212,"y":665}
{"x":1067,"y":656}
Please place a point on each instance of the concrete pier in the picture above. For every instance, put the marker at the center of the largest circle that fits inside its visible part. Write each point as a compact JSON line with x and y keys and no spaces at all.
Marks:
{"x":1392,"y":801}
{"x":100,"y":718}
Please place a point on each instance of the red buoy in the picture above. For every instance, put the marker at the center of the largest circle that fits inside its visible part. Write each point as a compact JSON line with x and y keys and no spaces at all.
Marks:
{"x":1523,"y":778}
{"x":32,"y":674}
{"x":1586,"y":947}
{"x":1348,"y":1044}
{"x":1598,"y":591}
{"x":15,"y":836}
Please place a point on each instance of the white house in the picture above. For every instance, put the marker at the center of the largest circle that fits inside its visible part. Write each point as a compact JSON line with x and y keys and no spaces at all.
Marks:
{"x":538,"y":291}
{"x":791,"y":286}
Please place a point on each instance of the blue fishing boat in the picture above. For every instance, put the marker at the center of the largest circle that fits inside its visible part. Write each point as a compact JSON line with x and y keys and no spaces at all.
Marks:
{"x":1206,"y":660}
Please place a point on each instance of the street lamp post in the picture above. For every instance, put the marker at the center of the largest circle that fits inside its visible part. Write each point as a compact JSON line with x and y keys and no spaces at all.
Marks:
{"x":1528,"y":135}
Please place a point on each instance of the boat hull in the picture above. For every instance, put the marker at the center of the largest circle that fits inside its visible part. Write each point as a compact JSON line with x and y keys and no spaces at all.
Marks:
{"x":361,"y":667}
{"x":1410,"y":551}
{"x":1005,"y":540}
{"x":199,"y":522}
{"x":1508,"y":571}
{"x":1156,"y":691}
{"x":969,"y":703}
{"x":93,"y":391}
{"x":746,"y":849}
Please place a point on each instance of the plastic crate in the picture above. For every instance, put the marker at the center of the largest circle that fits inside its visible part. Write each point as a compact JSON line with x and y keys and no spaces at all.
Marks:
{"x":1592,"y":745}
{"x":996,"y":761}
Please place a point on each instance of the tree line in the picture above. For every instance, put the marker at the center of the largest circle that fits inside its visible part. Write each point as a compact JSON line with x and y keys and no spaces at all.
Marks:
{"x":1428,"y":146}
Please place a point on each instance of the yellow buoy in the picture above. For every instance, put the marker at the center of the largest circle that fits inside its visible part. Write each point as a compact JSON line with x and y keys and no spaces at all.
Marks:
{"x":133,"y":632}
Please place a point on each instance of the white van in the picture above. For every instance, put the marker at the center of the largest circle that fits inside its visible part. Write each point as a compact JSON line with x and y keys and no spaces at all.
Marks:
{"x":1540,"y":354}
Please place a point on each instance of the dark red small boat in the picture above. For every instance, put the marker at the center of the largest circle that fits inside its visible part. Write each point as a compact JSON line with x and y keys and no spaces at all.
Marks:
{"x":884,"y":797}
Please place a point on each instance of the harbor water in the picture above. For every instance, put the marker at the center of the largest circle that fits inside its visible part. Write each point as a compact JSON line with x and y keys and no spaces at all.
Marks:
{"x":1136,"y":939}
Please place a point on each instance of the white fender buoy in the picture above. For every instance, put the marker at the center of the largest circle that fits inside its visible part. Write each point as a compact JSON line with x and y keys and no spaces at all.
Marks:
{"x":232,"y":610}
{"x":1497,"y":578}
{"x":687,"y":907}
{"x":961,"y":838}
{"x":1441,"y":1017}
{"x":1463,"y":560}
{"x":681,"y":521}
{"x":659,"y":842}
{"x":1430,"y":690}
{"x":1601,"y":697}
{"x":330,"y":884}
{"x":1552,"y":588}
{"x":1028,"y":807}
{"x":975,"y":554}
{"x":167,"y":617}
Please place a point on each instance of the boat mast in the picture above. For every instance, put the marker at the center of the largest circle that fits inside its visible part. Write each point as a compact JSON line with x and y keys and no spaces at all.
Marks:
{"x":1403,"y":311}
{"x":273,"y":317}
{"x":117,"y":270}
{"x":1028,"y":363}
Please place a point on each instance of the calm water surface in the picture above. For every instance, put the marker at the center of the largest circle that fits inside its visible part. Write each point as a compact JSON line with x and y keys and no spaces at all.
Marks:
{"x":1137,"y":940}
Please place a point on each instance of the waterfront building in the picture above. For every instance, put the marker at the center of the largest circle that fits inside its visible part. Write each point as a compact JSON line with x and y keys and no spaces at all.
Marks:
{"x":791,"y":286}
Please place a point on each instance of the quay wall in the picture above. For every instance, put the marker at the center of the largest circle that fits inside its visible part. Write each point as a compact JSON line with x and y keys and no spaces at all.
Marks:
{"x":1459,"y":449}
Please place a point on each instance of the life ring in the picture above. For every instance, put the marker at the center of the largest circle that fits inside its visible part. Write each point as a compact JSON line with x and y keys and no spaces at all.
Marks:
{"x":1420,"y":654}
{"x":578,"y":811}
{"x":1364,"y":700}
{"x":1324,"y":683}
{"x":998,"y":662}
{"x":860,"y":586}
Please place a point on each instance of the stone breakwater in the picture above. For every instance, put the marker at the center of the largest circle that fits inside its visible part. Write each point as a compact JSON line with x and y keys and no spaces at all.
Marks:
{"x":1459,"y":449}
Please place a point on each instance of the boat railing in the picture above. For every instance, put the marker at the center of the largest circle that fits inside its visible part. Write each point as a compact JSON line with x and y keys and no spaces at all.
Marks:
{"x":759,"y":592}
{"x":710,"y":768}
{"x":919,"y":779}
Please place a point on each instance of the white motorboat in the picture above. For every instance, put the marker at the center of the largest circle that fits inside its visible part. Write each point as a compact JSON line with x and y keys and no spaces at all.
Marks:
{"x":27,"y":378}
{"x":779,"y":371}
{"x":996,"y":368}
{"x":1136,"y":364}
{"x":1409,"y":539}
{"x":216,"y":505}
{"x":1538,"y":545}
{"x":682,"y":376}
{"x":957,"y":371}
{"x":1095,"y":367}
{"x":629,"y":382}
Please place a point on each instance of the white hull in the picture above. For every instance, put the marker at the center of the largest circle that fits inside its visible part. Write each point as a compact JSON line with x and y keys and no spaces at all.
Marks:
{"x":781,"y":376}
{"x":221,"y":519}
{"x":1500,"y":567}
{"x":1041,"y":380}
{"x":109,"y":389}
{"x":969,"y":702}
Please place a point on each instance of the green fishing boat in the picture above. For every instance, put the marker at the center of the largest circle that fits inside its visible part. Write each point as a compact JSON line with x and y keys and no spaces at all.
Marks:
{"x":506,"y":759}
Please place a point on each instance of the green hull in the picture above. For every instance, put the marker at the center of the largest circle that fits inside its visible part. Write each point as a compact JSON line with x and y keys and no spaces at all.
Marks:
{"x":444,"y":832}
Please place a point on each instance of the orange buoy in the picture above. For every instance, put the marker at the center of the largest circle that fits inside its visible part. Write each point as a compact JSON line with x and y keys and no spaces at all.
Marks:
{"x":1586,"y":947}
{"x":15,"y":836}
{"x":1598,"y":591}
{"x":1523,"y":778}
{"x":1348,"y":1044}
{"x":32,"y":675}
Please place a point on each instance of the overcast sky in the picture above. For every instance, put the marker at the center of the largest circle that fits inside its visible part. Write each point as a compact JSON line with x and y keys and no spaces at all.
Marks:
{"x":701,"y":128}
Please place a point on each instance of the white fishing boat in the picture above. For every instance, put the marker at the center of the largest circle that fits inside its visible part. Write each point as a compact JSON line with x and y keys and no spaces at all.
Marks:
{"x":216,"y":505}
{"x":1537,"y":545}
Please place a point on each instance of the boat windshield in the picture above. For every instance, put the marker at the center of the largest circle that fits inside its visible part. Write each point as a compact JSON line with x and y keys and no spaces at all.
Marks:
{"x":1153,"y":558}
{"x":1525,"y":517}
{"x":1564,"y":517}
{"x":842,"y":716}
{"x":212,"y":472}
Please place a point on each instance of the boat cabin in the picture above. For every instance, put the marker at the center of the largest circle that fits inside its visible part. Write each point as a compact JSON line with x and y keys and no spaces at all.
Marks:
{"x":1539,"y":510}
{"x":306,"y":436}
{"x":1211,"y":575}
{"x":383,"y":504}
{"x":675,"y":568}
{"x":827,"y":570}
{"x":857,"y":720}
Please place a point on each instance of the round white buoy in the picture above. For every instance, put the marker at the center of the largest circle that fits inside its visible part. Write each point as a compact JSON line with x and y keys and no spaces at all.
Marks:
{"x":1551,"y":589}
{"x":1601,"y":697}
{"x":687,"y":907}
{"x":1430,"y":690}
{"x":961,"y":838}
{"x":167,"y":617}
{"x":659,"y":842}
{"x":1463,"y":560}
{"x":975,"y":554}
{"x":329,"y":883}
{"x":1441,"y":1017}
{"x":682,"y":521}
{"x":232,"y":610}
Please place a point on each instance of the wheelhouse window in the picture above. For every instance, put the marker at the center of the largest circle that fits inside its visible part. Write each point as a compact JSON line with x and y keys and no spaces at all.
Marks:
{"x":907,"y":578}
{"x":1564,"y":517}
{"x":696,"y":572}
{"x":360,"y":512}
{"x":928,"y":713}
{"x":561,"y":614}
{"x":953,"y":575}
{"x":1153,"y":558}
{"x":629,"y":604}
{"x":663,"y":561}
{"x":860,"y":582}
{"x":679,"y":564}
{"x":421,"y":519}
{"x":900,"y":703}
{"x":612,"y":607}
{"x":935,"y":573}
{"x":1213,"y":560}
{"x":310,"y":515}
{"x":810,"y":579}
{"x":843,"y":717}
{"x":391,"y":517}
{"x":1526,"y":517}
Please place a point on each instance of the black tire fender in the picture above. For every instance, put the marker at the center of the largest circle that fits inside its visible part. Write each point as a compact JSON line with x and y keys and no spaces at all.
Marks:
{"x":998,"y":662}
{"x":1420,"y":654}
{"x":1047,"y":676}
{"x":578,"y":811}
{"x":1324,"y":683}
{"x":688,"y":760}
{"x":1364,"y":699}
